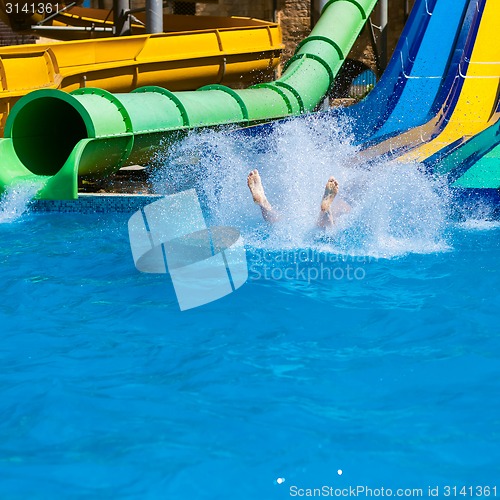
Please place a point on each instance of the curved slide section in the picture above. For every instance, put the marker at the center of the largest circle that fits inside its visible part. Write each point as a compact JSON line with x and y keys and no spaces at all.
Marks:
{"x":460,"y":140}
{"x":179,"y":61}
{"x":478,"y":98}
{"x":431,"y":77}
{"x":483,"y":174}
{"x":57,"y":136}
{"x":417,"y":67}
{"x":458,"y":97}
{"x":472,"y":163}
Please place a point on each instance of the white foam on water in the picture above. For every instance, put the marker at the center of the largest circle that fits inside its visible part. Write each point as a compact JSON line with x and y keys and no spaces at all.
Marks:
{"x":396,"y":208}
{"x":479,"y":224}
{"x":16,"y":199}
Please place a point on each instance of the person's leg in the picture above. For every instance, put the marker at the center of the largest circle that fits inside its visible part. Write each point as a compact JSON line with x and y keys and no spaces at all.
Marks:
{"x":259,"y":196}
{"x":340,"y":207}
{"x":325,"y":219}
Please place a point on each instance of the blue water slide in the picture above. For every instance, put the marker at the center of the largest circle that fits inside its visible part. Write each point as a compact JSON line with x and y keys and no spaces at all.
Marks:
{"x":410,"y":89}
{"x":372,"y":112}
{"x":431,"y":40}
{"x":438,"y":114}
{"x":447,"y":39}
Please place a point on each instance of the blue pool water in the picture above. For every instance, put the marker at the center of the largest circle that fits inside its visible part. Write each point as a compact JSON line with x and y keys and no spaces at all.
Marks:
{"x":390,"y":375}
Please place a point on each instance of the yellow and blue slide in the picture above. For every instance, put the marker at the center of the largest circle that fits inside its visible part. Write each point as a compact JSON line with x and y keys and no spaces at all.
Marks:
{"x":465,"y":127}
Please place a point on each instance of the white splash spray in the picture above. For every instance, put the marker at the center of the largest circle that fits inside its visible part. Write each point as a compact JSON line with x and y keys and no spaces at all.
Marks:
{"x":16,"y":199}
{"x":396,"y":208}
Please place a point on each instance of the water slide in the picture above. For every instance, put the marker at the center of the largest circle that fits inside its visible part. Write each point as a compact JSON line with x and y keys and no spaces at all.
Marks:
{"x":466,"y":127}
{"x":415,"y":85}
{"x":478,"y":98}
{"x":474,"y":163}
{"x":481,"y":174}
{"x":220,"y":51}
{"x":448,"y":88}
{"x":54,"y":137}
{"x":414,"y":57}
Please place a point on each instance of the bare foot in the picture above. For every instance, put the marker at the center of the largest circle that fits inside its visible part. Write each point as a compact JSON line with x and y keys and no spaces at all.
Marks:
{"x":256,"y":188}
{"x":331,"y":190}
{"x":259,"y":196}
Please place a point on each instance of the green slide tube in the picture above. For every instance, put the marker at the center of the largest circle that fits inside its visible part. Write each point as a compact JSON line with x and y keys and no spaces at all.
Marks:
{"x":55,"y":137}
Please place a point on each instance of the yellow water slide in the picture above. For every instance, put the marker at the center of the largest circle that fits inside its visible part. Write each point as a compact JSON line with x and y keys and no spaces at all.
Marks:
{"x":178,"y":60}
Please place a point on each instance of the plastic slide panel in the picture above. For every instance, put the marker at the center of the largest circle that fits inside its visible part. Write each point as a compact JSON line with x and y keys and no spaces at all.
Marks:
{"x":433,"y":73}
{"x":471,"y":162}
{"x":413,"y":138}
{"x":413,"y":57}
{"x":478,"y":98}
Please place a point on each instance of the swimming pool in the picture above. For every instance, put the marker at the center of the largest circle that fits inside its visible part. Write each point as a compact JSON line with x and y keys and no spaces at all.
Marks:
{"x":109,"y":389}
{"x":390,"y":376}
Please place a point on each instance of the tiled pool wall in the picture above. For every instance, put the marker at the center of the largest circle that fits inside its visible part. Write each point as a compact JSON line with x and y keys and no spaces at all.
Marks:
{"x":96,"y":203}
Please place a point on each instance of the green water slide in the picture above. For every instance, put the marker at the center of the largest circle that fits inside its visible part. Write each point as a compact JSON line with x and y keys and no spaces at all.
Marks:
{"x":54,"y":137}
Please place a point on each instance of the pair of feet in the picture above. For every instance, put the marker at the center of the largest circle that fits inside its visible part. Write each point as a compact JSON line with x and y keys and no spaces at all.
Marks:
{"x":269,"y":214}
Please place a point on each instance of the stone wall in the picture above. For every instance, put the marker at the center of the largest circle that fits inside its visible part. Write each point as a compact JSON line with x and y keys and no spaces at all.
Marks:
{"x":8,"y":37}
{"x":261,"y":9}
{"x":295,"y":17}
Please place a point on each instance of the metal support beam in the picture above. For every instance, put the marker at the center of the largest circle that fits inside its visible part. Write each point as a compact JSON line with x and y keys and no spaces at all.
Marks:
{"x":380,"y":21}
{"x":121,"y":17}
{"x":154,"y":16}
{"x":406,"y":8}
{"x":316,"y":8}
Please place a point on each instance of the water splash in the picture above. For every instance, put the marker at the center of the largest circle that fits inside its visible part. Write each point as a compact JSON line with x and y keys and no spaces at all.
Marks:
{"x":473,"y":212}
{"x":396,"y":208}
{"x":16,"y":199}
{"x":479,"y":224}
